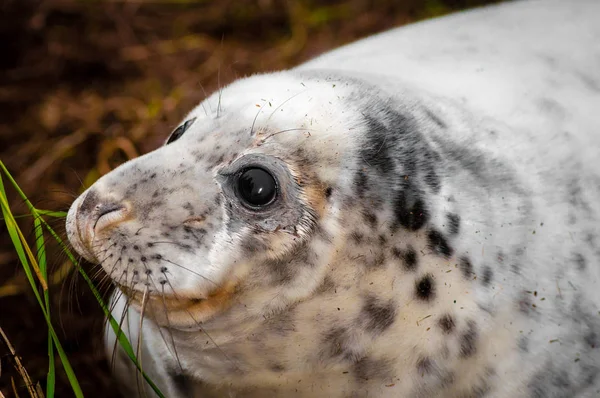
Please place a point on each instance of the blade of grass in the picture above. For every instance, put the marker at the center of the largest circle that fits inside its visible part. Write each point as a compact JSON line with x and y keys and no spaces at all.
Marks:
{"x":23,"y":252}
{"x":58,"y":214}
{"x":41,"y":258}
{"x":125,"y":344}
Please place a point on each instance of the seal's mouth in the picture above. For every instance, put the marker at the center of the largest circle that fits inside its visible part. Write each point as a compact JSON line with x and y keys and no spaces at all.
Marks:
{"x":168,"y":302}
{"x":172,"y":310}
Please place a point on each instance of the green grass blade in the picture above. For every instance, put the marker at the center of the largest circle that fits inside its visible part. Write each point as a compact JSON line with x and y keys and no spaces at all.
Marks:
{"x":51,"y":213}
{"x":18,"y":241}
{"x":16,"y":186}
{"x":41,"y":258}
{"x":125,"y":344}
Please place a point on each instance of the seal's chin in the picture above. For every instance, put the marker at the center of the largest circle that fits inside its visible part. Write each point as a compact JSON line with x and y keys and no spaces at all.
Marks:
{"x":181,"y":312}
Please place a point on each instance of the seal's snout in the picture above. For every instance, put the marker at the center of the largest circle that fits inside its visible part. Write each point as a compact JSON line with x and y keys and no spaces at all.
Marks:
{"x":90,"y":215}
{"x":97,"y":213}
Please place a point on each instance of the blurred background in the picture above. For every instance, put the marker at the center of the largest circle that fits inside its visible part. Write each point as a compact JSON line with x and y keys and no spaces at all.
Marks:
{"x":88,"y":84}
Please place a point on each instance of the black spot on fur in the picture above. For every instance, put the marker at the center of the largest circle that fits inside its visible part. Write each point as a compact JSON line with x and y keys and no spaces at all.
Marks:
{"x":326,"y":286}
{"x":376,"y":153}
{"x":336,"y":344}
{"x":182,"y":384}
{"x":487,"y":276}
{"x":550,"y":382}
{"x":591,"y":339}
{"x":433,"y":117}
{"x":253,"y":245}
{"x":424,"y":366}
{"x":431,"y":178}
{"x":446,"y":323}
{"x":409,"y":258}
{"x":466,"y":267}
{"x":425,"y":288}
{"x":370,"y":218}
{"x":377,"y":315}
{"x":579,"y":261}
{"x":356,"y":237}
{"x":276,"y":367}
{"x":282,"y":272}
{"x":523,"y":344}
{"x":438,"y":244}
{"x":525,"y":305}
{"x":410,"y":211}
{"x":367,"y":369}
{"x":468,"y":340}
{"x":361,"y":183}
{"x":448,"y":379}
{"x":453,"y":223}
{"x":281,"y":323}
{"x":479,"y":390}
{"x":328,"y":192}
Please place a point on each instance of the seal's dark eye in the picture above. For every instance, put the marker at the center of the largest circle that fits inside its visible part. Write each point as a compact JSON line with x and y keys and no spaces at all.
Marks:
{"x":256,"y":187}
{"x":175,"y":135}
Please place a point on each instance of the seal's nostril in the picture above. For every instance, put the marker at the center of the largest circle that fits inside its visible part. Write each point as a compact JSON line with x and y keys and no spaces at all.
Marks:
{"x":108,"y":208}
{"x":108,"y":213}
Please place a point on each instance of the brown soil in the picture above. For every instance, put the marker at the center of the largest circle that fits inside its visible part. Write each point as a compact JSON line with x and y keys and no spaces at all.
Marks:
{"x":85,"y":85}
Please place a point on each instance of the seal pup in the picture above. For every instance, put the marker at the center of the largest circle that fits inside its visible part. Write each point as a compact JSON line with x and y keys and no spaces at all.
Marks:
{"x":413,"y":215}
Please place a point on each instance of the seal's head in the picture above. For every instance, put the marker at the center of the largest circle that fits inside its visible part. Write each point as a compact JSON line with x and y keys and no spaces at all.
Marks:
{"x":237,"y":202}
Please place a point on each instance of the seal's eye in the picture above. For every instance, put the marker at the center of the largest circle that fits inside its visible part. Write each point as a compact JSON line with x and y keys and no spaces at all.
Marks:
{"x":256,"y":187}
{"x":175,"y":135}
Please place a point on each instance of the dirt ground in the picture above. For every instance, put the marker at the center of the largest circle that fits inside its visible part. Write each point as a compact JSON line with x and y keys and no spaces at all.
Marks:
{"x":86,"y":85}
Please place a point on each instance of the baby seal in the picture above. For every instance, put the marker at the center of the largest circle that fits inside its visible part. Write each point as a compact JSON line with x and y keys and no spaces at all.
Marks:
{"x":413,"y":215}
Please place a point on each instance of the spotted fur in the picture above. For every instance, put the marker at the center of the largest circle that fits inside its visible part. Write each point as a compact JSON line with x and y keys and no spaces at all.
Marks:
{"x":436,"y":231}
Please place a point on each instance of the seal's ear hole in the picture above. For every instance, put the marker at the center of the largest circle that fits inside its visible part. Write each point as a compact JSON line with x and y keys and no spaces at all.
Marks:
{"x":175,"y":135}
{"x":256,"y":187}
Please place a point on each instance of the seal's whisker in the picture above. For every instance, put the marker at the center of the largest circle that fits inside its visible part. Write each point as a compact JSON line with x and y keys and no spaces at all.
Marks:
{"x":107,"y":275}
{"x":119,"y":331}
{"x":220,"y":90}
{"x":167,"y":242}
{"x":205,"y":97}
{"x":125,"y":314}
{"x":284,"y":102}
{"x":139,"y":343}
{"x":256,"y":117}
{"x":176,"y":354}
{"x":82,"y":185}
{"x":101,"y":263}
{"x":199,"y":325}
{"x":70,"y":280}
{"x":99,"y":269}
{"x":285,"y":131}
{"x":98,"y":242}
{"x":139,"y":229}
{"x":189,"y":270}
